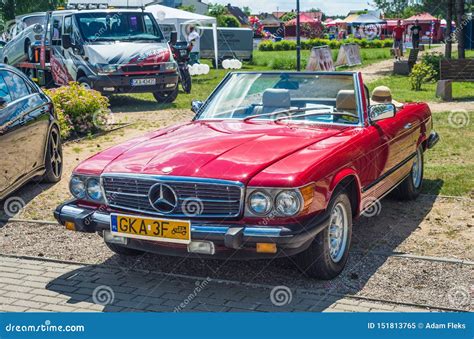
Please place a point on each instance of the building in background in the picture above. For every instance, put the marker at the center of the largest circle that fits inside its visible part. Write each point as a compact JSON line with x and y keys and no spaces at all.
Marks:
{"x":239,"y":15}
{"x":199,"y":6}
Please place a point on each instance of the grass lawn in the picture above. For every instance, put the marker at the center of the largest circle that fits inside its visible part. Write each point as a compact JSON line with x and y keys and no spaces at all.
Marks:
{"x":401,"y":89}
{"x":449,"y":166}
{"x":286,"y":60}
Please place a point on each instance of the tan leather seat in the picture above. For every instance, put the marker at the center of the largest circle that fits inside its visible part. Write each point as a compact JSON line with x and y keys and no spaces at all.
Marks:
{"x":346,"y":101}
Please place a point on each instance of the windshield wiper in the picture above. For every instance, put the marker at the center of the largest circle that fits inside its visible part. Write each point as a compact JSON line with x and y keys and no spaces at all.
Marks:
{"x":315,"y":110}
{"x":346,"y":114}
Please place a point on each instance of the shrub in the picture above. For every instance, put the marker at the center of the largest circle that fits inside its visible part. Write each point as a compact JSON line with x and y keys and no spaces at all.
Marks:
{"x":286,"y":45}
{"x":433,"y":59}
{"x":227,"y":21}
{"x":420,"y":74}
{"x":79,"y":110}
{"x":266,"y":46}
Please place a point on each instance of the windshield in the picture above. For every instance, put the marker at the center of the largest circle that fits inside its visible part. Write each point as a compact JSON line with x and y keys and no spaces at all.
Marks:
{"x":119,"y":26}
{"x":299,"y":97}
{"x":33,"y":20}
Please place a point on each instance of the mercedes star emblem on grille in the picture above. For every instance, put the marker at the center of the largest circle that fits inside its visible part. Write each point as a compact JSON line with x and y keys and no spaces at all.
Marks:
{"x":163,"y":198}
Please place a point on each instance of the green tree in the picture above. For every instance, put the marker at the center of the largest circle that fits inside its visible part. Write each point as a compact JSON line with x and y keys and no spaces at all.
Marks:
{"x":288,"y":16}
{"x":190,"y":8}
{"x":247,"y":10}
{"x":11,"y":8}
{"x":227,"y":21}
{"x":217,"y":10}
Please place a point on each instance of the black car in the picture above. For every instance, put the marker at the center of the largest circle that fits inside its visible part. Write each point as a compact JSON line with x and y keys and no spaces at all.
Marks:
{"x":30,"y":142}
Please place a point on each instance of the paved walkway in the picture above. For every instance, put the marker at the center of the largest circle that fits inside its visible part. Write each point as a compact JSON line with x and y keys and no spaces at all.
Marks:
{"x":30,"y":285}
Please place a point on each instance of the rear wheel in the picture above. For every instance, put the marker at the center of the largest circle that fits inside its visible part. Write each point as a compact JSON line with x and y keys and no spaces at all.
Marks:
{"x":410,"y":188}
{"x":166,"y":97}
{"x":122,"y":250}
{"x":327,"y":255}
{"x":186,"y":81}
{"x":54,"y":158}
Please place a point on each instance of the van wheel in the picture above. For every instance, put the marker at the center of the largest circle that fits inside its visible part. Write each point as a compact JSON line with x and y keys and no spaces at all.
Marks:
{"x":166,"y":97}
{"x":54,"y":158}
{"x":122,"y":250}
{"x":84,"y":82}
{"x":410,"y":188}
{"x":327,"y":255}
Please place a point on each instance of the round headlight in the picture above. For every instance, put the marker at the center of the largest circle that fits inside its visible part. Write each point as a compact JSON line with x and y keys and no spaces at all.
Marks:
{"x":287,"y":203}
{"x":93,"y":189}
{"x":77,"y":187}
{"x":260,"y":203}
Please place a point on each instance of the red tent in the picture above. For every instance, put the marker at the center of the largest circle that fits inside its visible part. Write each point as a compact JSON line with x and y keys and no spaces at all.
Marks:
{"x":304,"y":20}
{"x":423,"y":18}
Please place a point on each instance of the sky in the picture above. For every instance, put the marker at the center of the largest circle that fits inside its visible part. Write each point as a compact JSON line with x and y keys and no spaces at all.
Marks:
{"x":329,"y":7}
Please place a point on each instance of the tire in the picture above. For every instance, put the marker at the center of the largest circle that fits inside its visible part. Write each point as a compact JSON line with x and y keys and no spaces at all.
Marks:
{"x":410,"y":188}
{"x":84,"y":81}
{"x":29,"y":52}
{"x":166,"y":97}
{"x":54,"y":158}
{"x":186,"y":81}
{"x":124,"y":251}
{"x":318,"y":261}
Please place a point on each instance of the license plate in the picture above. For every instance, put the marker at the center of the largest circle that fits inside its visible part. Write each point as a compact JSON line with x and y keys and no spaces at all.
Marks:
{"x":183,"y":52}
{"x":143,"y":82}
{"x":164,"y":230}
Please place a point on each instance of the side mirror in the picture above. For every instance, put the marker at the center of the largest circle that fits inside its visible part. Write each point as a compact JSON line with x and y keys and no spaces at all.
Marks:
{"x":38,"y":29}
{"x":66,"y":41}
{"x":173,"y":37}
{"x":196,"y":106}
{"x":381,"y":112}
{"x":3,"y":103}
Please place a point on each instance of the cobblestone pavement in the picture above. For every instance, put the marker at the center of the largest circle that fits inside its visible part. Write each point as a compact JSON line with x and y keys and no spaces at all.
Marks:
{"x":31,"y":285}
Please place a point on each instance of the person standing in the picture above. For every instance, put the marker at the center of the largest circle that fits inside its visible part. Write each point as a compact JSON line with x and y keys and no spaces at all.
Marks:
{"x":194,"y":39}
{"x":398,"y":33}
{"x":415,"y":35}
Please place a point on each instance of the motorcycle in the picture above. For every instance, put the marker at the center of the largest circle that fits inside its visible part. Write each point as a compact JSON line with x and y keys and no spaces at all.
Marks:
{"x":181,"y":51}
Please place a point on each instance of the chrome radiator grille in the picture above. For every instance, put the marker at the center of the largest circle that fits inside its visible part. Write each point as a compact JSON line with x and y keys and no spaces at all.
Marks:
{"x":195,"y":197}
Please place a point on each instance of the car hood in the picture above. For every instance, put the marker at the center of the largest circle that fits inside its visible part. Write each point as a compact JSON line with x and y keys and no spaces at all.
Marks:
{"x":123,"y":53}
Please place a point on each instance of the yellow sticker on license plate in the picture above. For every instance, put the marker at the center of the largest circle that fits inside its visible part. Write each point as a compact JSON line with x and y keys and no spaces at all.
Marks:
{"x":164,"y":230}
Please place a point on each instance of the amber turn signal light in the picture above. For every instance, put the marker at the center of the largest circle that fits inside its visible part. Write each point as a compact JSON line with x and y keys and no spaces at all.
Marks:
{"x":70,"y":225}
{"x":266,"y":248}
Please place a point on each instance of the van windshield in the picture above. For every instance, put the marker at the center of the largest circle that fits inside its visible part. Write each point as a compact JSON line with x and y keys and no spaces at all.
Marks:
{"x":118,"y":26}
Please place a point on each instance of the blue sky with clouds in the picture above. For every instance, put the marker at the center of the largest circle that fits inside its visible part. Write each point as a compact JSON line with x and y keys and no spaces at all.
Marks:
{"x":331,"y":7}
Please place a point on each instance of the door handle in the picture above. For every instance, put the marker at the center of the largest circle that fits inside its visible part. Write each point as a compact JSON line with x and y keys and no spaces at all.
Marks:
{"x":408,"y":126}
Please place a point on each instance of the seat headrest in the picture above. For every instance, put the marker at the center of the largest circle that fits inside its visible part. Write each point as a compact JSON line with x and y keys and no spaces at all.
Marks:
{"x":346,"y":100}
{"x":276,"y":98}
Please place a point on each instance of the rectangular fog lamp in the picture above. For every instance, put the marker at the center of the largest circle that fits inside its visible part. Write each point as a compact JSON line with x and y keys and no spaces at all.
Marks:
{"x":266,"y":248}
{"x":202,"y":247}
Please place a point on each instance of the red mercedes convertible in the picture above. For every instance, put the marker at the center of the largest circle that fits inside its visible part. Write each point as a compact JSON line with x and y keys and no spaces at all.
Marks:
{"x":273,"y":164}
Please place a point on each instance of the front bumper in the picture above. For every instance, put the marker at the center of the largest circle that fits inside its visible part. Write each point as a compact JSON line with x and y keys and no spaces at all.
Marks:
{"x":235,"y":241}
{"x":122,"y":84}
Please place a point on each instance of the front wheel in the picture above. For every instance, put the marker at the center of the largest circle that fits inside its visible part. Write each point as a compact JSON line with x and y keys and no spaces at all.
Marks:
{"x":166,"y":97}
{"x":410,"y":188}
{"x":186,"y":81}
{"x":327,"y":255}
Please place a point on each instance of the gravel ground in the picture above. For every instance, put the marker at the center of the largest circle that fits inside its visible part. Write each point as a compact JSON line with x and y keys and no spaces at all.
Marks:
{"x":398,"y":227}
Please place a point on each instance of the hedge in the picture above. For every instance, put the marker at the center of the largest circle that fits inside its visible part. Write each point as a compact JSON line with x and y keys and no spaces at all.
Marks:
{"x":287,"y":45}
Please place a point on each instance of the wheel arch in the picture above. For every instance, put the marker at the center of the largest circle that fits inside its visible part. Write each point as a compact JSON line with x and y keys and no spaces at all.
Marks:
{"x":349,"y":181}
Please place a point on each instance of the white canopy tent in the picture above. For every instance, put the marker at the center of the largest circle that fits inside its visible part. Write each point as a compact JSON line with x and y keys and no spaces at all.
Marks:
{"x":180,"y":19}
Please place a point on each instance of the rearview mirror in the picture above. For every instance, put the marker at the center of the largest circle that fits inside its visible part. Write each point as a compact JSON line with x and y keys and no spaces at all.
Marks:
{"x":381,"y":112}
{"x":3,"y":103}
{"x":196,"y":106}
{"x":173,"y":37}
{"x":66,"y":41}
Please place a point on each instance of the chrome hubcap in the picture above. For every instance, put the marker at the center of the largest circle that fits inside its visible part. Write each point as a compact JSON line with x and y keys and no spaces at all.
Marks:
{"x":416,"y":169}
{"x":55,"y":151}
{"x":338,"y":230}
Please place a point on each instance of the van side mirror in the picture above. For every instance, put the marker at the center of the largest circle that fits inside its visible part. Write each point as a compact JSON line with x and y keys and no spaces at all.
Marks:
{"x":196,"y":106}
{"x":66,"y":41}
{"x":381,"y":112}
{"x":38,"y":29}
{"x":173,"y":38}
{"x":3,"y":103}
